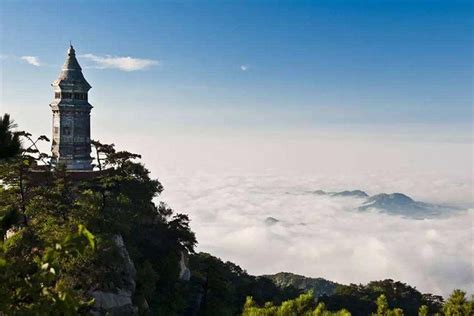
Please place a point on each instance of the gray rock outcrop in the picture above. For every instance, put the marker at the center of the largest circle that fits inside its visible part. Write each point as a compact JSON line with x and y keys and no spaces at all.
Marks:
{"x":119,"y":300}
{"x":184,"y":272}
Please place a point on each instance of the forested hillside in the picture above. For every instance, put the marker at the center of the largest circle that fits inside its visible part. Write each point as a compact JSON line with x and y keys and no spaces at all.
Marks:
{"x":72,"y":241}
{"x":319,"y":286}
{"x":76,"y":243}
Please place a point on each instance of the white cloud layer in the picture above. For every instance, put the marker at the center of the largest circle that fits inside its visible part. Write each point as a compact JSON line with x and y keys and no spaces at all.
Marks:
{"x":126,"y":63}
{"x":32,"y":60}
{"x":230,"y":182}
{"x":322,"y":236}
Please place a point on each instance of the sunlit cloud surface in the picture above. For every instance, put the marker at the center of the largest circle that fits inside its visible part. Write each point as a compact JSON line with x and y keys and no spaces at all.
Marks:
{"x":125,"y":63}
{"x":32,"y":60}
{"x":322,"y":236}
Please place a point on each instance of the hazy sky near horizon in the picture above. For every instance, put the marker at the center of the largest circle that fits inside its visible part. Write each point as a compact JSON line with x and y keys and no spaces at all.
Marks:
{"x":371,"y":95}
{"x":385,"y":84}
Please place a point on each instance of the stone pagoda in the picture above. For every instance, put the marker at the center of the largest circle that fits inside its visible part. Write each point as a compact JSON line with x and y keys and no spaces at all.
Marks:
{"x":71,"y":117}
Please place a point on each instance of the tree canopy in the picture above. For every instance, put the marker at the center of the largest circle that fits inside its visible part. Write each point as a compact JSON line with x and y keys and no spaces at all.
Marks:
{"x":43,"y":208}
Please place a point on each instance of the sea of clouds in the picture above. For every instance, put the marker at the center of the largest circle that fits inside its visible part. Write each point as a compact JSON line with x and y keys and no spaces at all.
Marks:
{"x":230,"y":182}
{"x":322,"y":236}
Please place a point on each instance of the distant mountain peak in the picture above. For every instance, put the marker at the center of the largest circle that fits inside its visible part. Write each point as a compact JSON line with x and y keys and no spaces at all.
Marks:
{"x":391,"y":198}
{"x":401,"y":204}
{"x":355,"y":193}
{"x":348,"y":193}
{"x":392,"y":203}
{"x":271,"y":220}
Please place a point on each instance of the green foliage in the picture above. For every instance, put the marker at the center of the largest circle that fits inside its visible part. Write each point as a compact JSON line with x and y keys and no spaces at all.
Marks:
{"x":458,"y":305}
{"x":303,"y":305}
{"x":382,"y":305}
{"x":9,"y":217}
{"x":156,"y":252}
{"x":384,"y":310}
{"x":361,"y":299}
{"x":319,"y":286}
{"x":223,"y":287}
{"x":16,"y":164}
{"x":35,"y":285}
{"x":10,"y":145}
{"x":53,"y":255}
{"x":423,"y":311}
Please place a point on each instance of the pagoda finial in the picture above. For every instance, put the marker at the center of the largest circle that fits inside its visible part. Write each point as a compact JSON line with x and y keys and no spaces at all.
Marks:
{"x":71,"y":51}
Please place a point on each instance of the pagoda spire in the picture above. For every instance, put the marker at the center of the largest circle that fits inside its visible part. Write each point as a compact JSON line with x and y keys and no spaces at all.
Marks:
{"x":71,"y":72}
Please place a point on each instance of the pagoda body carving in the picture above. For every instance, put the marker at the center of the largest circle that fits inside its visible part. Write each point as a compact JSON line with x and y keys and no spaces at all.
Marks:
{"x":71,"y":144}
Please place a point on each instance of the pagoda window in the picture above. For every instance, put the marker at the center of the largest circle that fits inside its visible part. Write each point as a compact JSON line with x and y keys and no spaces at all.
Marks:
{"x":66,"y":130}
{"x":80,"y":96}
{"x":66,"y":95}
{"x":57,"y":95}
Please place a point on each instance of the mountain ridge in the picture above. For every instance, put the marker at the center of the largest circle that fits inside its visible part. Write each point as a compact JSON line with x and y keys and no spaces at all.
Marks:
{"x":393,"y":203}
{"x":319,"y":286}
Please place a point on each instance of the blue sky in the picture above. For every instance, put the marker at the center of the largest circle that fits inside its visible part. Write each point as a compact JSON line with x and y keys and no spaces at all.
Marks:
{"x":253,"y":64}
